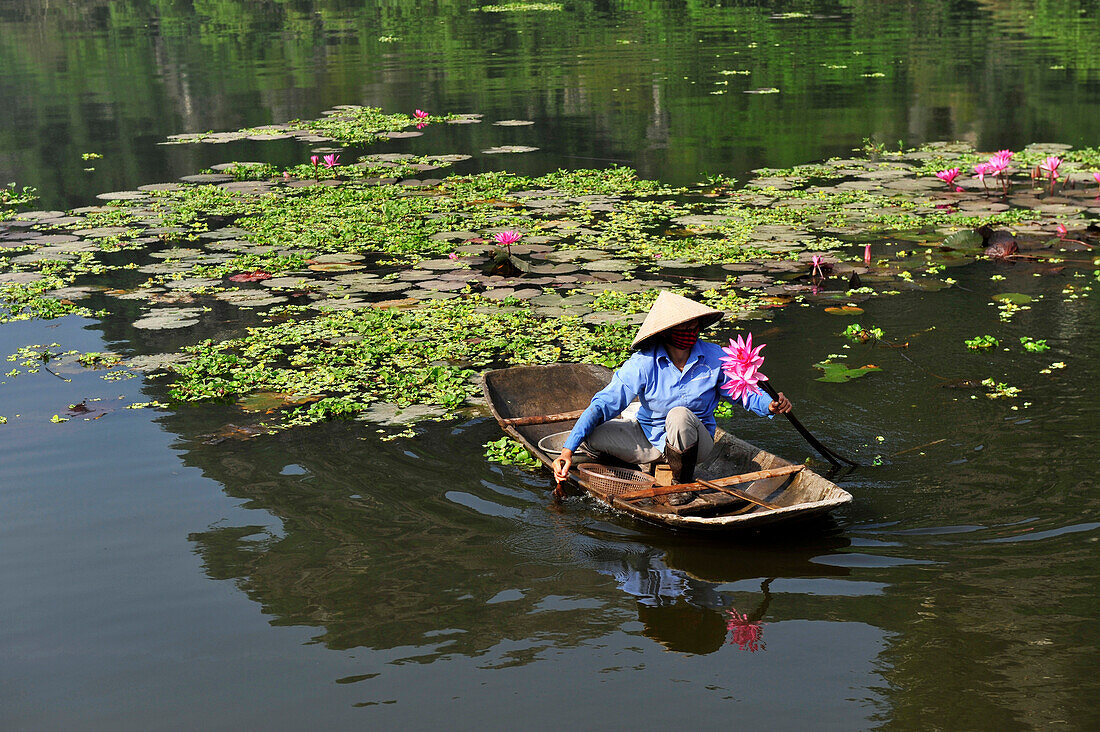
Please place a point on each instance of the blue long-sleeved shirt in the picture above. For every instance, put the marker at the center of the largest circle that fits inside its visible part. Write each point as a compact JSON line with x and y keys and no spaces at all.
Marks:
{"x":650,"y":375}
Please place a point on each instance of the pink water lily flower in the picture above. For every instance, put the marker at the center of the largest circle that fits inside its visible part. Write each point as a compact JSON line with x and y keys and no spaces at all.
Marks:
{"x":1003,"y":156}
{"x":740,"y":355}
{"x":1062,"y":231}
{"x":331,"y":161}
{"x":1050,"y":166}
{"x":949,"y":175}
{"x":507,"y":238}
{"x":314,"y":159}
{"x":866,"y":253}
{"x":420,"y":114}
{"x":452,"y":255}
{"x":743,"y":384}
{"x":816,"y":260}
{"x":1096,"y":177}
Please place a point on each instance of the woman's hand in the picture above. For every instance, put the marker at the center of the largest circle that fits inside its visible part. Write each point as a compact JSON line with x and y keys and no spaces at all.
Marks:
{"x":782,"y":405}
{"x":562,"y":465}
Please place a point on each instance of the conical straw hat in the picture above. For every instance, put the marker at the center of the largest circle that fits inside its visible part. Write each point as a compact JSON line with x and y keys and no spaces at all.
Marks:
{"x":671,"y":310}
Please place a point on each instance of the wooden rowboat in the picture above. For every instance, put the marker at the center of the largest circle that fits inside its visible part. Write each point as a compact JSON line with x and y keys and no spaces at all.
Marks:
{"x":738,"y":487}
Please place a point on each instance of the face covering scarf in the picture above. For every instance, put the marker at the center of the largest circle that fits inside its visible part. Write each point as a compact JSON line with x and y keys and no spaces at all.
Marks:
{"x":683,"y":339}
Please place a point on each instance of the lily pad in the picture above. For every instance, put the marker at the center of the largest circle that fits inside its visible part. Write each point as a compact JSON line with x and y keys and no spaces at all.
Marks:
{"x":839,"y":373}
{"x":1016,"y":298}
{"x":967,"y":239}
{"x":845,"y":310}
{"x":503,"y":149}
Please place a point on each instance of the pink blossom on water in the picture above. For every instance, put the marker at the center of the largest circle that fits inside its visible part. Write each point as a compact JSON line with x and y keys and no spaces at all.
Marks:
{"x":949,"y":175}
{"x":1096,"y":177}
{"x":331,"y":161}
{"x":420,"y":114}
{"x":286,"y":175}
{"x":507,"y":238}
{"x":746,"y":633}
{"x":1050,"y":166}
{"x":866,"y":253}
{"x":981,"y":170}
{"x":314,"y":159}
{"x":1003,"y":156}
{"x":452,"y":255}
{"x":1062,"y":231}
{"x":817,"y":260}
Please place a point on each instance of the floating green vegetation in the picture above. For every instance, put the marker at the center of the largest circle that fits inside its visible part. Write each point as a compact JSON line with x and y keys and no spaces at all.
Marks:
{"x":28,"y":301}
{"x":1033,"y":345}
{"x":12,"y":196}
{"x":378,"y":288}
{"x":519,"y":8}
{"x":981,"y":342}
{"x":507,"y":451}
{"x":348,"y":124}
{"x":1000,"y":390}
{"x":857,"y":333}
{"x":354,"y":358}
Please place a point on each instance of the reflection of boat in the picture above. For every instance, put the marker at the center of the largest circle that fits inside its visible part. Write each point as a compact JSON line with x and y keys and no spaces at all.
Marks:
{"x":738,"y":487}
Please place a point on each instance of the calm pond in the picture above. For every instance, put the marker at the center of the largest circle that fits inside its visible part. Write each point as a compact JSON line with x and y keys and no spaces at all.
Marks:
{"x":332,"y":575}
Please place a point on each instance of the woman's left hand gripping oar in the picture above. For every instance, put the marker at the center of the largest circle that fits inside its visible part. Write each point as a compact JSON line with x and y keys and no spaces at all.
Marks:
{"x":561,"y":472}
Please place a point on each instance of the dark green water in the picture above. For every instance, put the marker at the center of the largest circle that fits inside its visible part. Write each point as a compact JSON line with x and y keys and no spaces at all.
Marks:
{"x":325,"y":576}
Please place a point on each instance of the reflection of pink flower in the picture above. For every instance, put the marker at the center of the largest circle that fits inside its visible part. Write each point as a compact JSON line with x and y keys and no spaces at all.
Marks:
{"x":421,"y":125}
{"x":867,"y":254}
{"x":420,"y":114}
{"x":948,"y":176}
{"x":507,"y":238}
{"x":746,"y":633}
{"x":331,"y":161}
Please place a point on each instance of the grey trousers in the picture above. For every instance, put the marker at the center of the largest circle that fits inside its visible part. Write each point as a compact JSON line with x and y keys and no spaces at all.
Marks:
{"x":625,"y":439}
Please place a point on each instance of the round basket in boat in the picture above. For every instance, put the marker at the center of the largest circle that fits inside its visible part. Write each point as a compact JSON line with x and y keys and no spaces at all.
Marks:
{"x":613,"y":480}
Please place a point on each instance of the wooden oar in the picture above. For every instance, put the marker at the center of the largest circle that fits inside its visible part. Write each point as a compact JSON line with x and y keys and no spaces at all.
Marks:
{"x":738,"y":494}
{"x":828,"y":454}
{"x":716,"y":484}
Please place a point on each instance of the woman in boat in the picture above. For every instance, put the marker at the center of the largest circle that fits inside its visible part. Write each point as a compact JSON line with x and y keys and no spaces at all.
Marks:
{"x":676,"y":378}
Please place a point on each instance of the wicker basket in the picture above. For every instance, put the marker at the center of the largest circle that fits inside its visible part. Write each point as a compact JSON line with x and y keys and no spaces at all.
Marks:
{"x":614,"y":481}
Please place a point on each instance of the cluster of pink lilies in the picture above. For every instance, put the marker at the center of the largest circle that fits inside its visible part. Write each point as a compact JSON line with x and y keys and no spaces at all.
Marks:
{"x":741,"y":365}
{"x":998,"y":168}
